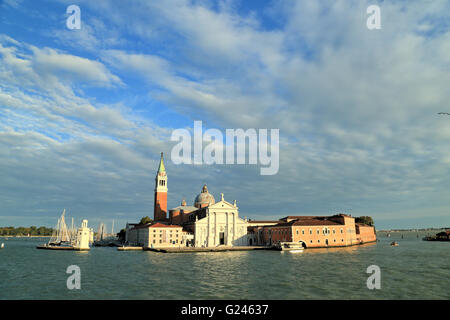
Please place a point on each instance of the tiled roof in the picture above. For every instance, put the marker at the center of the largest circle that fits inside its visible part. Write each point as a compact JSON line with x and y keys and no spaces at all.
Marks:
{"x":308,"y":221}
{"x":315,"y":217}
{"x":155,"y":225}
{"x":297,"y":217}
{"x":315,"y":222}
{"x":185,"y":208}
{"x":161,"y":225}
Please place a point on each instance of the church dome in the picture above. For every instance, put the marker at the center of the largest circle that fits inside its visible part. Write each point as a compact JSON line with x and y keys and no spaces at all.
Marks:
{"x":204,"y":199}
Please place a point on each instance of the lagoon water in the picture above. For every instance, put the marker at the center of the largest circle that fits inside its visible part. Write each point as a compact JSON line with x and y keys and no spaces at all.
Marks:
{"x":415,"y":269}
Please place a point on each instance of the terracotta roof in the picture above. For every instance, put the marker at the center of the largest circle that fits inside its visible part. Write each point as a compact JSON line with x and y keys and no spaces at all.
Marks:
{"x":315,"y":222}
{"x":156,"y":225}
{"x":161,"y":225}
{"x":308,"y":222}
{"x":297,"y":217}
{"x":185,"y":208}
{"x":315,"y":217}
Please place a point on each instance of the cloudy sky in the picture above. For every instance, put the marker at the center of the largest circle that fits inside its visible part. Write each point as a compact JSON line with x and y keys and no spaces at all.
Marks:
{"x":84,"y":114}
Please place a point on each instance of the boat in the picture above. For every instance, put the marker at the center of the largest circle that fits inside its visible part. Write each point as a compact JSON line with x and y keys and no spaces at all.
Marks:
{"x":103,"y":239}
{"x":2,"y":246}
{"x":441,"y":236}
{"x":394,"y":243}
{"x":64,"y":239}
{"x":292,"y":247}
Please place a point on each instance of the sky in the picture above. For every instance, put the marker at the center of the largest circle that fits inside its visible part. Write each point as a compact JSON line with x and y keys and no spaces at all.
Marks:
{"x":85,"y":113}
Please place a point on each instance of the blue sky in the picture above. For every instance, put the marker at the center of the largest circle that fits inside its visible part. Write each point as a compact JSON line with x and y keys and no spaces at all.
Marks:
{"x":84,"y":114}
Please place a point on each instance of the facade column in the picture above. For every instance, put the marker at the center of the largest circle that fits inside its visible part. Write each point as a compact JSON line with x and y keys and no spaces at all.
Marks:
{"x":215,"y":229}
{"x":234,"y":226}
{"x":227,"y":228}
{"x":208,"y":233}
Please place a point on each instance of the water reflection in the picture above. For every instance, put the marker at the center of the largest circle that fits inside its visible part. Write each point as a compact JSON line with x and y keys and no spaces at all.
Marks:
{"x":350,"y":250}
{"x":333,"y":273}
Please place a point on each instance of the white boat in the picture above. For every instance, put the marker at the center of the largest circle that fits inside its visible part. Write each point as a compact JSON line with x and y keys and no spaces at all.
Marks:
{"x":2,"y":246}
{"x":292,"y":247}
{"x":61,"y":235}
{"x":65,"y":239}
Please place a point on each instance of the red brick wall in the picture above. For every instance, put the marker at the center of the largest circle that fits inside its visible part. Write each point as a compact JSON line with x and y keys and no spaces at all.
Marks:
{"x":320,"y":236}
{"x":175,"y":217}
{"x":160,"y":211}
{"x":366,"y":233}
{"x":314,"y":236}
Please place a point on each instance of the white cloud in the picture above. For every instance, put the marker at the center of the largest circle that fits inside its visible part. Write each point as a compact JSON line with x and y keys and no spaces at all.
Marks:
{"x":356,"y":109}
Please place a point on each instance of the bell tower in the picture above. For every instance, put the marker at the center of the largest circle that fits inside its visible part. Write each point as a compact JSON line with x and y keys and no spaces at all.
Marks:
{"x":160,"y":211}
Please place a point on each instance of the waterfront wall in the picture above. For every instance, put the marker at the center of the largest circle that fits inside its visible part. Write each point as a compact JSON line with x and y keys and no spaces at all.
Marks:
{"x":315,"y":232}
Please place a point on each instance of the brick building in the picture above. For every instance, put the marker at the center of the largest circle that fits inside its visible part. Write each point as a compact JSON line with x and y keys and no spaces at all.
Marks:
{"x":156,"y":235}
{"x":314,"y":231}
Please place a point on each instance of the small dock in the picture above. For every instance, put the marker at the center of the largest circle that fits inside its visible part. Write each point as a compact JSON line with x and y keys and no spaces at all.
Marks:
{"x":47,"y":247}
{"x":130,"y":248}
{"x":207,"y":249}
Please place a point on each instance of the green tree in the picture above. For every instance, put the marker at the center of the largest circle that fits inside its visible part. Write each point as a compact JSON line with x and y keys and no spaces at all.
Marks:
{"x":121,"y":235}
{"x":145,"y":220}
{"x":364,"y":219}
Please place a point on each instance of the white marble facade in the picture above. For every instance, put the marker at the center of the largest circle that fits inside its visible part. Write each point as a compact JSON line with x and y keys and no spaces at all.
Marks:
{"x":221,"y":226}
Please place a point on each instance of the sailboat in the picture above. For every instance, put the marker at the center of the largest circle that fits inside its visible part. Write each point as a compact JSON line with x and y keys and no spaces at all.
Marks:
{"x":103,"y":239}
{"x":61,"y":235}
{"x":64,"y":239}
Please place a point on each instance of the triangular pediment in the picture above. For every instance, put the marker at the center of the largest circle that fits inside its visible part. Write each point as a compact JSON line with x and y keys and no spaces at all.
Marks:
{"x":221,"y":205}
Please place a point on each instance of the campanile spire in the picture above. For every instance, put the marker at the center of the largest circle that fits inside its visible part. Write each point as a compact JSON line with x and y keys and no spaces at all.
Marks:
{"x":160,"y":210}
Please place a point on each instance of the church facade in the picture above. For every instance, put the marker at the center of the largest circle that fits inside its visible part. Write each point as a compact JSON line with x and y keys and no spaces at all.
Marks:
{"x":206,"y":223}
{"x":217,"y":224}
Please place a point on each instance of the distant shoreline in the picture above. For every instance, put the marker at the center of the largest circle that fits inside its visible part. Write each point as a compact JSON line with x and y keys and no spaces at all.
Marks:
{"x":25,"y":236}
{"x":414,"y":230}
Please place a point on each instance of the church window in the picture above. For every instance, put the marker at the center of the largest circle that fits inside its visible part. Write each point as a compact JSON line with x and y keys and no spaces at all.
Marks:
{"x":303,"y":231}
{"x":310,"y":231}
{"x":318,"y":231}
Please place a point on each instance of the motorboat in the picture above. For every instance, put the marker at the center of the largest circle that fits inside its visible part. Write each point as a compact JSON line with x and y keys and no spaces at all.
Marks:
{"x":292,"y":247}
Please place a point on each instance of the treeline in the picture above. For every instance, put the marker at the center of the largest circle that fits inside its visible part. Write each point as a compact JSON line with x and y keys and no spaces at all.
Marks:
{"x":24,"y":231}
{"x":364,"y":219}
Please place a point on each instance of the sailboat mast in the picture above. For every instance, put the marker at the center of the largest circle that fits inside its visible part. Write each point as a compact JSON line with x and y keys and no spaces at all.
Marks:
{"x":58,"y":234}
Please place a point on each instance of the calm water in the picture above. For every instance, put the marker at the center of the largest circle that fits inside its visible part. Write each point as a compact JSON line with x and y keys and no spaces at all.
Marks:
{"x":415,"y":269}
